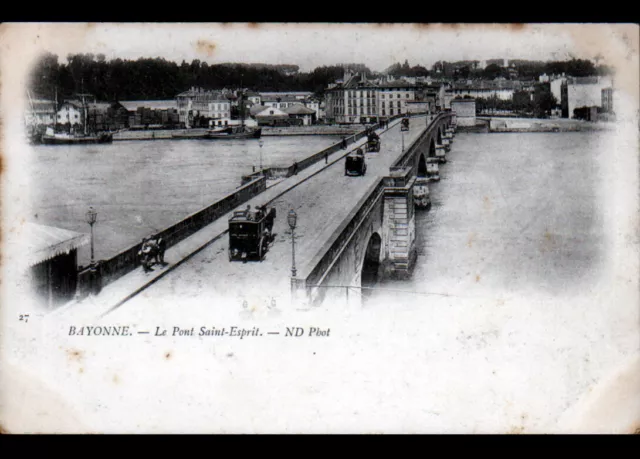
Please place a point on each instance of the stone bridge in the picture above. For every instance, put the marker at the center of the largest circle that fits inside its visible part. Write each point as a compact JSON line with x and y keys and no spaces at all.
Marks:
{"x":377,"y":239}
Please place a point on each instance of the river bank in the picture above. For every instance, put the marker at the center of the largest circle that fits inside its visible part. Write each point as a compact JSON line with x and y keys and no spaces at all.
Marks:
{"x":164,"y":134}
{"x":491,"y":124}
{"x":159,"y":134}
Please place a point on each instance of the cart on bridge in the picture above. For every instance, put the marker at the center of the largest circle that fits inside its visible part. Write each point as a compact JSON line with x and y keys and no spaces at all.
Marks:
{"x":404,"y":124}
{"x":373,"y":143}
{"x":250,"y":233}
{"x":355,"y":163}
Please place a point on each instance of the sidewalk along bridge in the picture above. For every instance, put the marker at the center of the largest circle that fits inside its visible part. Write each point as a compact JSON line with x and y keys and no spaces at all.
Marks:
{"x":377,"y":238}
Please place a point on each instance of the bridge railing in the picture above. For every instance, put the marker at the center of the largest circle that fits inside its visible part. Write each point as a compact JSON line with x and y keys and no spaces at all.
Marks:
{"x":331,"y":251}
{"x":280,"y":172}
{"x":401,"y":162}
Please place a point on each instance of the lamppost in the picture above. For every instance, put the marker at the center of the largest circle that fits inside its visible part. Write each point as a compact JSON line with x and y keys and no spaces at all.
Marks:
{"x":260,"y":144}
{"x":402,"y":132}
{"x":91,"y":216}
{"x":292,"y":219}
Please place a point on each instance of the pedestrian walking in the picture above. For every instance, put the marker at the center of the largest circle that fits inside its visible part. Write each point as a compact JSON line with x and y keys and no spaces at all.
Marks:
{"x":344,"y":143}
{"x":326,"y":157}
{"x":162,"y":247}
{"x":295,"y":168}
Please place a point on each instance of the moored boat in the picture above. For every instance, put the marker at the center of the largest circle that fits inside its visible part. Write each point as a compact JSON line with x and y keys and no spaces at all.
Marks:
{"x":234,"y":132}
{"x":54,"y":138}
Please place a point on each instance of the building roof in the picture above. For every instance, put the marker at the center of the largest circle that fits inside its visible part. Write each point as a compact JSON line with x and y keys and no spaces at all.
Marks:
{"x":73,"y":103}
{"x":267,"y":112}
{"x":46,"y":242}
{"x":255,"y":109}
{"x":587,"y":80}
{"x":297,"y":94}
{"x":299,"y":109}
{"x":397,"y":84}
{"x":193,"y":92}
{"x":99,"y":106}
{"x":283,"y":98}
{"x":132,"y":105}
{"x":487,"y":85}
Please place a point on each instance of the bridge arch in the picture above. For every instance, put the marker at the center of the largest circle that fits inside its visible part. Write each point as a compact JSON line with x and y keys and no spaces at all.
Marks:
{"x":432,"y":149}
{"x":371,"y":263}
{"x":422,"y":166}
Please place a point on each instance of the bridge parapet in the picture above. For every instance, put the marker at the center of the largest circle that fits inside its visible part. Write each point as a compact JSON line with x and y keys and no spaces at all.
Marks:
{"x":420,"y":143}
{"x":314,"y":274}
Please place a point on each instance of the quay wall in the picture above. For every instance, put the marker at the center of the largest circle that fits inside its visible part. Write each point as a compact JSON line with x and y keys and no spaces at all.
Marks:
{"x":543,"y":125}
{"x":318,"y":129}
{"x":153,"y":134}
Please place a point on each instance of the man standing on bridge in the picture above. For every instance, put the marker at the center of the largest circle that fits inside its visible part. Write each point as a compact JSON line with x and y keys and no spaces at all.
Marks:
{"x":326,"y":157}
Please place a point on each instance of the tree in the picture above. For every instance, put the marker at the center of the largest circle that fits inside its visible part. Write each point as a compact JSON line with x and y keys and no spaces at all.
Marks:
{"x":543,"y":100}
{"x":522,"y":101}
{"x":491,"y":72}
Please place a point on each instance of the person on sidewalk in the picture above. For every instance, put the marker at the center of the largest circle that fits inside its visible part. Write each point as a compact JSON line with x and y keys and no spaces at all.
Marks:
{"x":344,"y":143}
{"x":326,"y":157}
{"x":145,"y":255}
{"x":162,"y":248}
{"x":295,"y":168}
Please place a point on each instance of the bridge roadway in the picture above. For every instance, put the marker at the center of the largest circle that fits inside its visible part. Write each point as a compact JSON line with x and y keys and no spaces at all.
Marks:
{"x":322,"y":203}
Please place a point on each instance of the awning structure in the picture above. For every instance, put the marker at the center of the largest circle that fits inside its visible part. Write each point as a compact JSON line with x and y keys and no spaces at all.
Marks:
{"x":46,"y":242}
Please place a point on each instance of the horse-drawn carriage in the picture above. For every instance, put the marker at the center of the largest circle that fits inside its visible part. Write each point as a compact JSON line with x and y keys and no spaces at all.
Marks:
{"x":404,"y":124}
{"x":373,"y":143}
{"x":355,"y":163}
{"x":250,"y":233}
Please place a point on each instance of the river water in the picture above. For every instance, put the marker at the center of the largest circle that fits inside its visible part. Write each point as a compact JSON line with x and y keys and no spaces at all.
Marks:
{"x":513,"y":211}
{"x":140,"y":187}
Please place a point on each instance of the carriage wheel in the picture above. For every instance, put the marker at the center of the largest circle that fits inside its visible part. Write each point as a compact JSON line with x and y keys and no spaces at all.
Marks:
{"x":261,"y":248}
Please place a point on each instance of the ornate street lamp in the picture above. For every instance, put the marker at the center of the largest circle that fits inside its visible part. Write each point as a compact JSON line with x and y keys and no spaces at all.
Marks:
{"x":402,"y":132}
{"x":91,"y":216}
{"x":292,"y":219}
{"x":260,"y":143}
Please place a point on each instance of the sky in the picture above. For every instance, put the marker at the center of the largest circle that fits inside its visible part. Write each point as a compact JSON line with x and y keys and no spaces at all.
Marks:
{"x":311,"y":45}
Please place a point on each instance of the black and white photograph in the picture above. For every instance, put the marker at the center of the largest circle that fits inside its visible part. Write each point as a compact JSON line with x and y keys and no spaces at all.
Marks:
{"x":327,"y":228}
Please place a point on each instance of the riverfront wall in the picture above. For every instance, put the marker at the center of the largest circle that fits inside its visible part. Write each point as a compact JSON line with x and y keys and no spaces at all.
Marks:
{"x":318,"y":129}
{"x":165,"y":134}
{"x":542,"y":125}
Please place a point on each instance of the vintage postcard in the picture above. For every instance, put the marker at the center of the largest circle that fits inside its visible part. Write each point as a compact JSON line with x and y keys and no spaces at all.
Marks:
{"x":319,"y":228}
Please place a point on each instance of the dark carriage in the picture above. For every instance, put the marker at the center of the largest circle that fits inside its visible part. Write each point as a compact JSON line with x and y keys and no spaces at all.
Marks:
{"x":250,"y":233}
{"x":355,"y":163}
{"x":404,"y":124}
{"x":373,"y":143}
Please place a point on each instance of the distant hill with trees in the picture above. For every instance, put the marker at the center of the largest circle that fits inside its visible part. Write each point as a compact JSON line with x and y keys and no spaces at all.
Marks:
{"x":158,"y":78}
